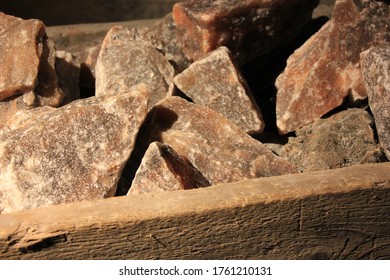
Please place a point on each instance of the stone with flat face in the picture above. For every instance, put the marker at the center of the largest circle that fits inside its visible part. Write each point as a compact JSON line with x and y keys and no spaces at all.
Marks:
{"x":325,"y":71}
{"x":162,"y":169}
{"x":375,"y":66}
{"x":74,"y":153}
{"x":124,"y":62}
{"x":215,"y":146}
{"x":342,"y":140}
{"x":216,"y":82}
{"x":247,"y":27}
{"x":20,"y":51}
{"x":28,"y":59}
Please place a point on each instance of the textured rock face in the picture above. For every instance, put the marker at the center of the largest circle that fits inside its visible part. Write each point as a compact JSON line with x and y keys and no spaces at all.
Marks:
{"x":216,"y":82}
{"x":20,"y":51}
{"x":73,"y":153}
{"x":166,"y":42}
{"x":345,"y":139}
{"x":27,"y":75}
{"x":248,"y":28}
{"x":375,"y":67}
{"x":325,"y":70}
{"x":162,"y":169}
{"x":124,"y":63}
{"x":216,"y":147}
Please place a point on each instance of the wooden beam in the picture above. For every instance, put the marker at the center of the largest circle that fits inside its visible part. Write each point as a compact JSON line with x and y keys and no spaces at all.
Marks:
{"x":336,"y":214}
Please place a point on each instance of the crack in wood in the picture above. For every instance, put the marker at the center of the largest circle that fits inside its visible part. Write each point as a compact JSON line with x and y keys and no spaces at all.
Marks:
{"x":158,"y":240}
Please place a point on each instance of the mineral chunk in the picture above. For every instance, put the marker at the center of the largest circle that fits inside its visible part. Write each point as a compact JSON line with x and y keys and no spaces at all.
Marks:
{"x":344,"y":139}
{"x":162,"y":169}
{"x":124,"y":63}
{"x":73,"y":153}
{"x":248,"y":28}
{"x":47,"y":91}
{"x":375,"y":67}
{"x":166,"y":42}
{"x":216,"y":82}
{"x":216,"y":147}
{"x":20,"y":51}
{"x":326,"y":69}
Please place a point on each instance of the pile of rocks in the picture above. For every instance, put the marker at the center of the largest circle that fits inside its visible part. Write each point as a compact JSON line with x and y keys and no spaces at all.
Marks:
{"x":173,"y":108}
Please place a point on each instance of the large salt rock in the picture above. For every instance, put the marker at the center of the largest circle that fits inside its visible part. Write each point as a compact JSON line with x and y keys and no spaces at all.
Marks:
{"x":215,"y":146}
{"x":344,"y":139}
{"x":73,"y":153}
{"x":20,"y":51}
{"x":326,"y":69}
{"x":375,"y":67}
{"x":216,"y":82}
{"x":162,"y":169}
{"x":124,"y":62}
{"x":247,"y":27}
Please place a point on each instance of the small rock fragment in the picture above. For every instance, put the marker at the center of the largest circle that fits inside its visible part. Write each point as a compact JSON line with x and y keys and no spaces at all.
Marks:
{"x":326,"y":69}
{"x":247,"y":27}
{"x":124,"y":63}
{"x":342,"y":140}
{"x":68,"y":73}
{"x":216,"y":147}
{"x":47,"y":90}
{"x":73,"y":153}
{"x":162,"y":169}
{"x":166,"y":42}
{"x":375,"y":66}
{"x":216,"y":82}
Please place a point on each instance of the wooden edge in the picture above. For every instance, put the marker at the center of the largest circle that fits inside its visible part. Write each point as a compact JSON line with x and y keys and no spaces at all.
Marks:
{"x":340,"y":213}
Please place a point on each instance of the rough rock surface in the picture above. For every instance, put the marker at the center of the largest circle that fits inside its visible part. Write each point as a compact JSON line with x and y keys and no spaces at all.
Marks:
{"x":68,"y":74}
{"x":325,"y":70}
{"x":27,"y":75}
{"x":216,"y":82}
{"x":344,"y":139}
{"x":162,"y":169}
{"x":216,"y":147}
{"x":166,"y":42}
{"x":73,"y":153}
{"x":375,"y":67}
{"x":124,"y":63}
{"x":248,"y":28}
{"x":20,"y":51}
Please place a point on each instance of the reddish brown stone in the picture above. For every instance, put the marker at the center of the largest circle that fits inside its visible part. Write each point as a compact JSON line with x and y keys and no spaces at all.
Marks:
{"x":162,"y":169}
{"x":73,"y":153}
{"x":166,"y":42}
{"x":216,"y":147}
{"x":216,"y":82}
{"x":20,"y":51}
{"x":326,"y":69}
{"x":375,"y":66}
{"x":124,"y":63}
{"x":342,"y":140}
{"x":247,"y":27}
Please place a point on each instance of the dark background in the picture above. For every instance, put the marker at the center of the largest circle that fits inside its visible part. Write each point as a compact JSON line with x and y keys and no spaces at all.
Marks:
{"x":60,"y":12}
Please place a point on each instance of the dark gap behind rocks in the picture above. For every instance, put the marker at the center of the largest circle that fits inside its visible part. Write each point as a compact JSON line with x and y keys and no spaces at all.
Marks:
{"x":262,"y":72}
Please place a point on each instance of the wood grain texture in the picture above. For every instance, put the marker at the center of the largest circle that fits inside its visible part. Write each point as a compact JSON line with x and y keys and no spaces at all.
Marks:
{"x":336,"y":214}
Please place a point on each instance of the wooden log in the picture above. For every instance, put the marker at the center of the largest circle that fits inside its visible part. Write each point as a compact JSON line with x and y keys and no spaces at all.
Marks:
{"x":335,"y":214}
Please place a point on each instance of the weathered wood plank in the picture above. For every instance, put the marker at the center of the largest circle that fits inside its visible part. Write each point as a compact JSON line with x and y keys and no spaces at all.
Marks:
{"x":336,"y":214}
